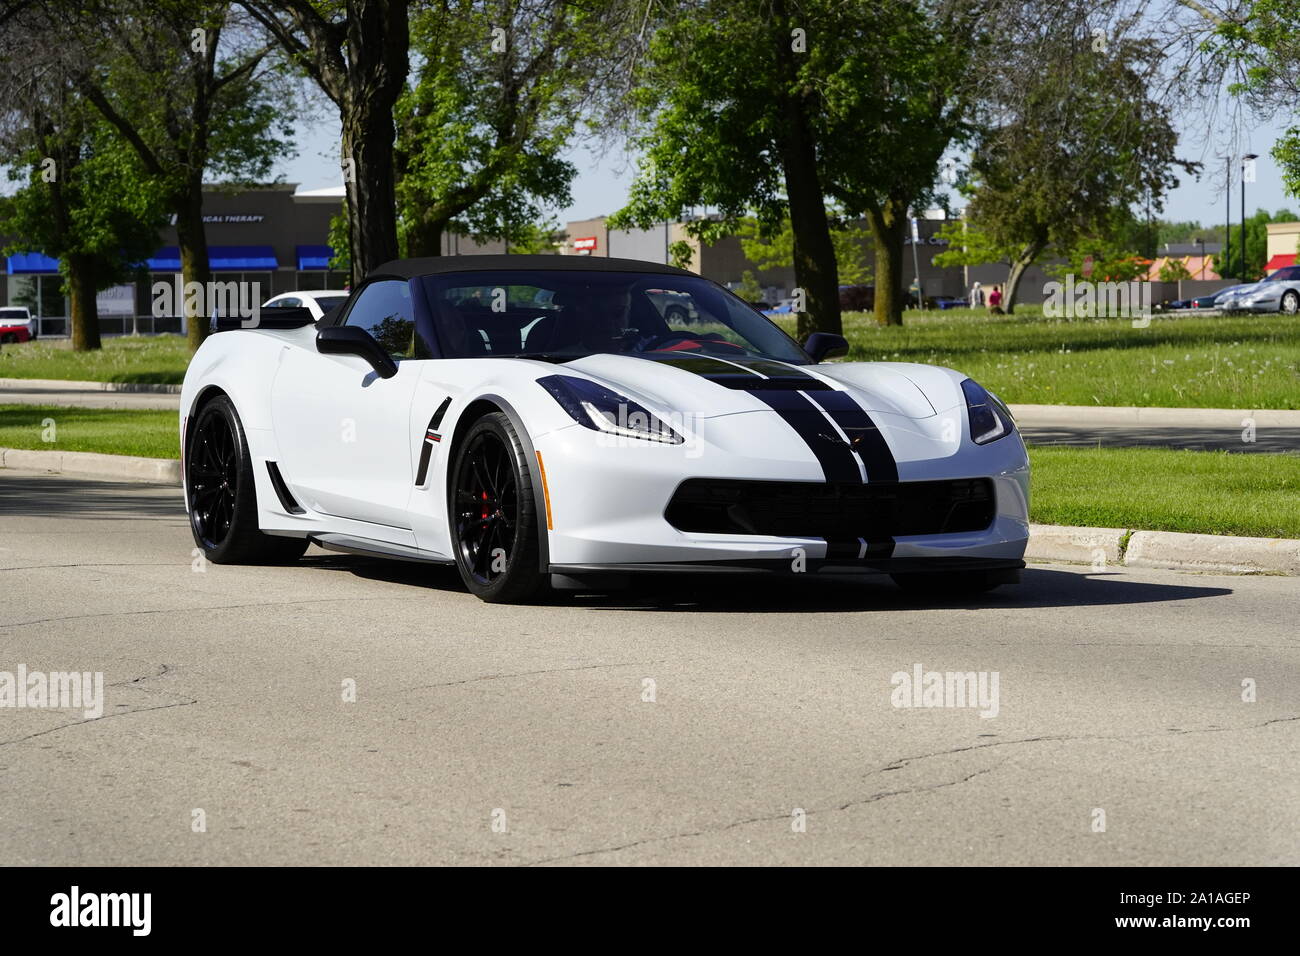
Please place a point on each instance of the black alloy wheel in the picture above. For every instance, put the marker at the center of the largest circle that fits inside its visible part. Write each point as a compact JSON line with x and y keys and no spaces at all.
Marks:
{"x":494,"y":515}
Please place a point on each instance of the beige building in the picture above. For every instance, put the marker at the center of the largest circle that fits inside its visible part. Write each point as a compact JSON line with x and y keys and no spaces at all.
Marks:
{"x":1283,"y":241}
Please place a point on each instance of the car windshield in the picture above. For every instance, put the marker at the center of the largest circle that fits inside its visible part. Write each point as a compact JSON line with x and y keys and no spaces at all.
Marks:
{"x":12,"y":314}
{"x":560,"y":315}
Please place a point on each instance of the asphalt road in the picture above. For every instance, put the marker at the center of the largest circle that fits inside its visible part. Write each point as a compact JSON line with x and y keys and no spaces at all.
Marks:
{"x":1119,"y":691}
{"x":1274,"y":439}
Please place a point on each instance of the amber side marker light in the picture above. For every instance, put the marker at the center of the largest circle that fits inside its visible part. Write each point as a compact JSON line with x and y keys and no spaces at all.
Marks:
{"x":546,"y":492}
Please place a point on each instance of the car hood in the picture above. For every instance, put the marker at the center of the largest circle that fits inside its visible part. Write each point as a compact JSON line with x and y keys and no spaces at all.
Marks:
{"x":706,"y":386}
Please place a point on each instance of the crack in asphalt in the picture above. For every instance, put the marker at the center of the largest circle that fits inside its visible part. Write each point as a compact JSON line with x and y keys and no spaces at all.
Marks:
{"x":100,"y":564}
{"x":549,"y":670}
{"x":899,"y":764}
{"x":902,"y":762}
{"x":768,"y":818}
{"x":189,"y":610}
{"x":163,"y":669}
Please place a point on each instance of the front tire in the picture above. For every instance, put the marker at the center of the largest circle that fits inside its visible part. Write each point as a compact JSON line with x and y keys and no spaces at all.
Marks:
{"x":495,"y":532}
{"x":220,"y":494}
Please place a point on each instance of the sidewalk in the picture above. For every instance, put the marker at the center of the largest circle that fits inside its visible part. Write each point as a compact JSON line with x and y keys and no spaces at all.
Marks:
{"x":44,"y":391}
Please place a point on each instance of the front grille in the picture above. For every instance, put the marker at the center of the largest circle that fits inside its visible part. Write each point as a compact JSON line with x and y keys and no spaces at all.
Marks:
{"x":802,"y":509}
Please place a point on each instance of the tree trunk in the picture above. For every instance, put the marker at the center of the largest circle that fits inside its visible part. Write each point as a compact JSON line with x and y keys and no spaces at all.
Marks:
{"x":424,"y":238}
{"x":193,"y":240}
{"x":1017,"y":272}
{"x":372,"y":200}
{"x":85,"y":312}
{"x":888,"y":223}
{"x":815,"y":268}
{"x":1014,"y":276}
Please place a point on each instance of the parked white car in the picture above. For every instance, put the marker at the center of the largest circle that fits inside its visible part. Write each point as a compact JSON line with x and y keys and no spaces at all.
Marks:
{"x":317,"y":302}
{"x":1279,"y":292}
{"x":13,"y":318}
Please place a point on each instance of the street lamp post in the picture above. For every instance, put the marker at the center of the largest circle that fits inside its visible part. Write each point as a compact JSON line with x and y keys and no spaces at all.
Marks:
{"x":1248,"y":158}
{"x":1200,"y":257}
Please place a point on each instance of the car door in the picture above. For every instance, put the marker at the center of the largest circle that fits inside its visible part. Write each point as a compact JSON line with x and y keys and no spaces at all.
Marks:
{"x":342,"y":430}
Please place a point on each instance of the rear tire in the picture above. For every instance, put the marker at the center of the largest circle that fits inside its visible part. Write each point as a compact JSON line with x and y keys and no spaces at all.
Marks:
{"x":951,"y":582}
{"x":1291,"y":302}
{"x":493,"y":514}
{"x":220,"y":494}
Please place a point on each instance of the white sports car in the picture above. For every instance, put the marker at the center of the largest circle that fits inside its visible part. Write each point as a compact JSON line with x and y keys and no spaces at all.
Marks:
{"x":542,"y":421}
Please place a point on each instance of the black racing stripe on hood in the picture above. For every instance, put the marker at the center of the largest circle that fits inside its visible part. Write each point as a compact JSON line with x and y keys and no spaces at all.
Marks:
{"x":835,"y":457}
{"x":782,"y":394}
{"x":867,"y":440}
{"x":743,"y":374}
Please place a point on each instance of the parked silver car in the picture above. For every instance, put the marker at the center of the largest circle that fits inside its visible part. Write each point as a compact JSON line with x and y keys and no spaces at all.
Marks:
{"x":1279,"y":292}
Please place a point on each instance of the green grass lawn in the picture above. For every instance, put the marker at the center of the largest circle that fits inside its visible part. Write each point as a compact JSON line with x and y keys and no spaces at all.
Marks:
{"x":1243,"y":362}
{"x":1160,"y":489}
{"x":113,"y":431}
{"x":159,"y":359}
{"x":1153,"y":489}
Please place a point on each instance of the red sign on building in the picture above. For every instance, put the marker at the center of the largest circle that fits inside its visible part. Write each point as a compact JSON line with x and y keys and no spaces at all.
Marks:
{"x":585,"y":244}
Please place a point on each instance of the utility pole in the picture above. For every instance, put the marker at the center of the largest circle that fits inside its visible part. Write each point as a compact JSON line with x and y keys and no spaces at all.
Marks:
{"x":1248,"y":158}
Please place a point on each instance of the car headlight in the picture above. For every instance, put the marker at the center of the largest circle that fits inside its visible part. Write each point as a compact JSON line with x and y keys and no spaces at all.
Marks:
{"x":599,"y":409}
{"x":990,"y":419}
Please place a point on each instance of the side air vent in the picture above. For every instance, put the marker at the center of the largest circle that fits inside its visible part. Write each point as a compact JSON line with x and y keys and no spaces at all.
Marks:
{"x":431,"y":438}
{"x":282,"y":490}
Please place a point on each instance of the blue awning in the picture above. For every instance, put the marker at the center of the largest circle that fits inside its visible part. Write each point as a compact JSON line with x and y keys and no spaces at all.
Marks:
{"x":220,"y":259}
{"x":166,"y":259}
{"x":241,"y":258}
{"x":27,"y":263}
{"x":314,"y":257}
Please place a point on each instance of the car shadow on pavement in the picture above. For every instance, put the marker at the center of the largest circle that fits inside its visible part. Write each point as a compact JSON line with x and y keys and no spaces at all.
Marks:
{"x":1040,"y":587}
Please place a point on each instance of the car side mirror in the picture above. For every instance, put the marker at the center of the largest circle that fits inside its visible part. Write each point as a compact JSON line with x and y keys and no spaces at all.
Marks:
{"x":824,"y":345}
{"x":351,"y":340}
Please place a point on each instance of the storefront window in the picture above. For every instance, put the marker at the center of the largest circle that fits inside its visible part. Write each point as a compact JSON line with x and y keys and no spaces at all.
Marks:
{"x":41,"y":293}
{"x":317,"y":280}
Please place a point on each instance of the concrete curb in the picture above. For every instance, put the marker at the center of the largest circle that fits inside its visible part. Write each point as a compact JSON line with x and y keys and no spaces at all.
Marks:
{"x":1210,"y":553}
{"x":92,"y":465}
{"x":1129,"y":415}
{"x":1100,"y":547}
{"x":1050,"y":542}
{"x":59,"y":385}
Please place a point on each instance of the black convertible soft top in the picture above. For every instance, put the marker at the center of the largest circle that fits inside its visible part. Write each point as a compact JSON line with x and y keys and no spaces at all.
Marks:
{"x":412,"y":268}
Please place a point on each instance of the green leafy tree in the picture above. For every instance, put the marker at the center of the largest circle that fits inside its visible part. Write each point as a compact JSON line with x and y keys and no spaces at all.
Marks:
{"x":82,"y":198}
{"x":749,"y":289}
{"x":1174,"y":270}
{"x":498,"y":92}
{"x":1086,"y":140}
{"x":776,"y":250}
{"x":1260,"y":41}
{"x":81,"y":205}
{"x":1228,"y":263}
{"x":731,"y":98}
{"x":192,"y":100}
